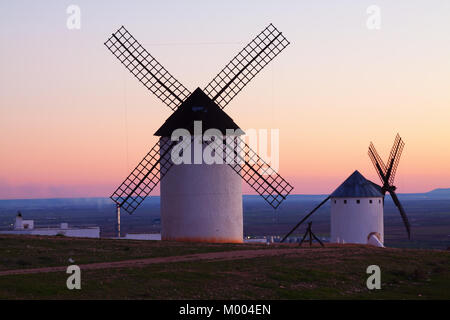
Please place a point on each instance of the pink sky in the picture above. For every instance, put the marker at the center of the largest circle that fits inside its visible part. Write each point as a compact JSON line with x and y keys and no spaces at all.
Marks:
{"x":74,"y":122}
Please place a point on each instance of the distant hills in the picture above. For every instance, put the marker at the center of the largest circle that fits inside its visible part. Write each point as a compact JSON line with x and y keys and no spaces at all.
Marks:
{"x":440,"y":191}
{"x":436,"y":194}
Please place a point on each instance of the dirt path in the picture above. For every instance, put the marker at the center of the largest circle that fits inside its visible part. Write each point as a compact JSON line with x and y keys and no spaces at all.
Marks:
{"x":225,"y":255}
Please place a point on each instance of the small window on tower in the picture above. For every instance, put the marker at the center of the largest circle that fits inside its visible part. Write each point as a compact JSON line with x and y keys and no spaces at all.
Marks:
{"x":345,"y":201}
{"x":358,"y":201}
{"x":370,"y":201}
{"x":379,"y":201}
{"x":334,"y":201}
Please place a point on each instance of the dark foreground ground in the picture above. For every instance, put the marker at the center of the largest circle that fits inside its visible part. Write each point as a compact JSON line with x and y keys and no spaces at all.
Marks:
{"x":173,"y":270}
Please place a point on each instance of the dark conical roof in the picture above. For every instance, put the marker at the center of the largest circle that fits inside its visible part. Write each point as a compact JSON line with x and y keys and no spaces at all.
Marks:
{"x":197,"y":107}
{"x":356,"y":186}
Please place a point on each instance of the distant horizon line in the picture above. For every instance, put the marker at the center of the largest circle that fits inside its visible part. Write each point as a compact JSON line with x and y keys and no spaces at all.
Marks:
{"x":295,"y":194}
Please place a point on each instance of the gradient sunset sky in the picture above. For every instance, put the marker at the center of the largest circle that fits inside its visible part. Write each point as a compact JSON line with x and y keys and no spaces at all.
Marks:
{"x":74,"y":122}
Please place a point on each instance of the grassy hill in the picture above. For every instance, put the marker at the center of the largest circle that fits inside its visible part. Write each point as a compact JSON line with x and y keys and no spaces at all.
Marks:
{"x":219,"y":271}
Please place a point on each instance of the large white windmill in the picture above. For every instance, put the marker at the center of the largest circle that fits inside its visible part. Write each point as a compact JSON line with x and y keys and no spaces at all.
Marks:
{"x":199,"y":202}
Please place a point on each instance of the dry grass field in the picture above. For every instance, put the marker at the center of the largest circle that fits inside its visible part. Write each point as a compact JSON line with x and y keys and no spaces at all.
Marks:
{"x":126,"y":269}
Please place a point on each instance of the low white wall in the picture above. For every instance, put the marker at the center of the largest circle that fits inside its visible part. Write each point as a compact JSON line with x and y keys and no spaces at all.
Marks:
{"x":143,"y":236}
{"x":255,"y":240}
{"x":93,"y":232}
{"x":28,"y":224}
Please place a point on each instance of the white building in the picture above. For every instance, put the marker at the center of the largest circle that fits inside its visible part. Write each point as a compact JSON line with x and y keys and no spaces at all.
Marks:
{"x":357,"y":212}
{"x":200,"y":202}
{"x":21,"y":224}
{"x":27,"y":227}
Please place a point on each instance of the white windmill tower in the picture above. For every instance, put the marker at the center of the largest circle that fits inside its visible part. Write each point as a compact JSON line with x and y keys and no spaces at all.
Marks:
{"x":356,"y":211}
{"x":357,"y":204}
{"x":199,"y":202}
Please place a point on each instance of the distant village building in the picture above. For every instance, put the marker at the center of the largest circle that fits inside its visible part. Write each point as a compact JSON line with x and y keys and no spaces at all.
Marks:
{"x":357,"y":212}
{"x":22,"y":226}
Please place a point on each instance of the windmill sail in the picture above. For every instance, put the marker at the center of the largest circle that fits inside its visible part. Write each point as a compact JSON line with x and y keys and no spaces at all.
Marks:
{"x":245,"y":65}
{"x":144,"y":178}
{"x":387,"y":175}
{"x":256,"y":172}
{"x":146,"y":68}
{"x":378,"y":163}
{"x":402,"y":212}
{"x":394,"y":158}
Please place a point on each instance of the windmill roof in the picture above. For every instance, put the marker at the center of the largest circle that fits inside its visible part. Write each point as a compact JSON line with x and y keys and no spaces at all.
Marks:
{"x":197,"y":107}
{"x":357,"y":186}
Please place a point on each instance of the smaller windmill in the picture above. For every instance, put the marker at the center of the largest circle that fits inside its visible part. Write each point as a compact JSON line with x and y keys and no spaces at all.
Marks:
{"x":362,"y":200}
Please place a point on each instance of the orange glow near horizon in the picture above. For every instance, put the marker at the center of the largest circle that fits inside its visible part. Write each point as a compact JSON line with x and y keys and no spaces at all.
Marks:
{"x":74,"y":122}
